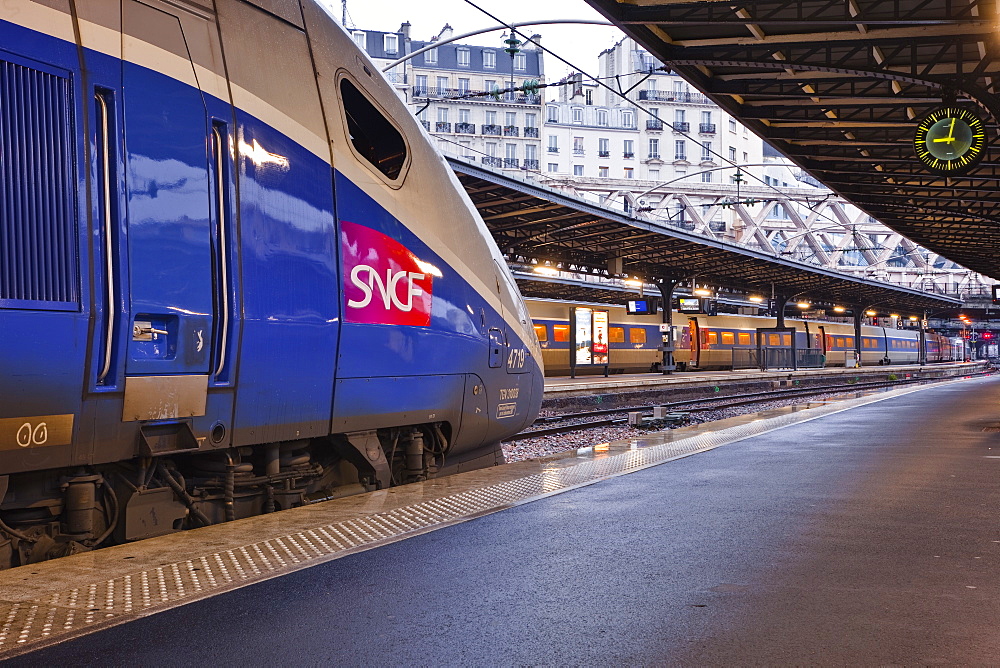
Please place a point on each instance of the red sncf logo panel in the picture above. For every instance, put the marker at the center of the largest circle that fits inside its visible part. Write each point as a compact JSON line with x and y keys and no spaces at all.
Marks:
{"x":384,"y":283}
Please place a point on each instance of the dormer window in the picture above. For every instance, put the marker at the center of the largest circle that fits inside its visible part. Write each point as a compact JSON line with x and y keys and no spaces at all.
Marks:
{"x":391,"y":44}
{"x":360,"y":39}
{"x":489,"y":59}
{"x":463,"y":57}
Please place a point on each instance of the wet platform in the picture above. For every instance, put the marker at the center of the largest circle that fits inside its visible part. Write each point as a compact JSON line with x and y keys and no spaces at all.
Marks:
{"x":853,"y":531}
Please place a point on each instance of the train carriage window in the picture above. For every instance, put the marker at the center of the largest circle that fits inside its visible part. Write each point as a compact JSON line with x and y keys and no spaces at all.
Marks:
{"x":773,"y":339}
{"x":850,"y":341}
{"x":372,"y":134}
{"x":542,"y":333}
{"x":744,"y":339}
{"x":560,"y":333}
{"x":840,"y":342}
{"x":786,"y":339}
{"x":728,"y":338}
{"x":616,"y":335}
{"x":636,"y":335}
{"x":713,"y":338}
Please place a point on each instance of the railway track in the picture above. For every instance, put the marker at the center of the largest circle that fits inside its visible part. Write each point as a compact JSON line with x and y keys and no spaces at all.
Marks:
{"x":618,"y":416}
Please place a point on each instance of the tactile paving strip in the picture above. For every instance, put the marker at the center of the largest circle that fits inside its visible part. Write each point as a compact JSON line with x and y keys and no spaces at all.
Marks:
{"x":31,"y":624}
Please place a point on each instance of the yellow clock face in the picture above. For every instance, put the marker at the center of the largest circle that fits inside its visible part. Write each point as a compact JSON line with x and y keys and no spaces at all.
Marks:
{"x":950,"y":140}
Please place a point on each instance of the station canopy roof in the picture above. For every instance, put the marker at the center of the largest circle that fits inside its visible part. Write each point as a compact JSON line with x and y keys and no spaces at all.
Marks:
{"x":839,"y":86}
{"x":534,"y":224}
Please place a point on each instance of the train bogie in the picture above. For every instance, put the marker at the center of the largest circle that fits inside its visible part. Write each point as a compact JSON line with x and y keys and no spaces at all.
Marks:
{"x":239,"y":276}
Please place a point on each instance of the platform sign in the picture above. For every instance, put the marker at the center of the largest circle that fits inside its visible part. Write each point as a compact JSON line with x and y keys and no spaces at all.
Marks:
{"x":600,"y":345}
{"x":689,"y":305}
{"x":589,"y":343}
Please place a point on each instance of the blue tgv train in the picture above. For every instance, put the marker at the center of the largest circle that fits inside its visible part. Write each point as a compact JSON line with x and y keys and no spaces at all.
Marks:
{"x":235,"y":276}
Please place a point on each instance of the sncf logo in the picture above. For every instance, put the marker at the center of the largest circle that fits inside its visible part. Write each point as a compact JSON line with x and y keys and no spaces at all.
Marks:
{"x":384,"y":283}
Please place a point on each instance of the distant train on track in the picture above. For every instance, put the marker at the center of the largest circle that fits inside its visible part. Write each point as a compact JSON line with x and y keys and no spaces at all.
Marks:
{"x":706,"y":342}
{"x":235,"y":276}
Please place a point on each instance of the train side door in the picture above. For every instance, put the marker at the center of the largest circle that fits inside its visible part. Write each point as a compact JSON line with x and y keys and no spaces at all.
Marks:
{"x":822,"y":338}
{"x":168,"y":200}
{"x":695,"y":335}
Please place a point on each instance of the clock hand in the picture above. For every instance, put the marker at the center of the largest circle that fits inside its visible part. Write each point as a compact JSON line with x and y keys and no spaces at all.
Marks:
{"x":947,"y":139}
{"x":951,"y":128}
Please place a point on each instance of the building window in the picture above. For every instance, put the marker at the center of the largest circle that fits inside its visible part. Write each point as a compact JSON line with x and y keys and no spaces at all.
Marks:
{"x":589,"y":97}
{"x":654,"y":175}
{"x":531,"y":152}
{"x":680,"y":87}
{"x":651,"y":84}
{"x":732,"y":125}
{"x":431,"y":57}
{"x":577,"y":170}
{"x":360,"y":40}
{"x":391,"y":43}
{"x":491,"y":149}
{"x":706,"y":151}
{"x":706,"y":177}
{"x":467,"y":149}
{"x":577,"y":145}
{"x":442,"y":87}
{"x":746,"y":157}
{"x":553,"y":167}
{"x":463,"y":86}
{"x":553,"y":114}
{"x":706,"y":117}
{"x":629,"y":173}
{"x":510,"y":118}
{"x":602,"y":172}
{"x":510,"y":151}
{"x":464,"y":115}
{"x":489,"y":59}
{"x":463,"y":57}
{"x":491,"y":118}
{"x":553,"y":144}
{"x":443,"y":114}
{"x":680,"y":150}
{"x":654,"y":149}
{"x":603,"y":147}
{"x":602,"y":117}
{"x":577,"y":115}
{"x":421,"y":85}
{"x":520,"y":61}
{"x":629,"y":148}
{"x":628,"y":119}
{"x":732,"y":153}
{"x":529,"y":121}
{"x":678,"y":116}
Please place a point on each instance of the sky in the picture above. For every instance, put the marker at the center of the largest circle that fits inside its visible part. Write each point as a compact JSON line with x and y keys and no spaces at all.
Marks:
{"x":579,"y":44}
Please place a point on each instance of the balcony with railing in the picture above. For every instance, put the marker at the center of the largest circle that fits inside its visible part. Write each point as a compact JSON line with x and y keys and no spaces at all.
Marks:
{"x":465,"y":128}
{"x":654,"y":125}
{"x":682,"y":126}
{"x":426,"y":124}
{"x":490,"y":129}
{"x":578,"y":151}
{"x":553,"y":149}
{"x":673,"y":96}
{"x":531,"y":164}
{"x":680,"y":156}
{"x":442,"y":126}
{"x":491,"y":161}
{"x":511,"y":163}
{"x":511,"y":131}
{"x":531,"y":133}
{"x":470,"y":95}
{"x":604,"y":154}
{"x":628,"y":154}
{"x":707,"y":128}
{"x":653,"y":156}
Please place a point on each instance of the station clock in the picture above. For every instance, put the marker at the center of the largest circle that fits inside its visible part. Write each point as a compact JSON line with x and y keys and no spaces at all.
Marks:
{"x":950,"y":140}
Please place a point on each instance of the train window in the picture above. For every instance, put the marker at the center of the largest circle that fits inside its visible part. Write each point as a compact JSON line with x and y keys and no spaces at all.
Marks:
{"x":713,"y":338}
{"x":373,"y":135}
{"x":744,"y":339}
{"x":542,"y":333}
{"x":840,"y":342}
{"x":616,"y":335}
{"x":773,"y":339}
{"x":636,"y":335}
{"x":560,"y":333}
{"x":850,"y":341}
{"x":786,"y":339}
{"x":728,"y":338}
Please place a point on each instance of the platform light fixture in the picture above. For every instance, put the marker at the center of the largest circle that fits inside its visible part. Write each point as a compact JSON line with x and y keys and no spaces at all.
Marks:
{"x":914,"y":318}
{"x":871,"y":313}
{"x":839,"y":309}
{"x":893,"y":315}
{"x":703,"y":292}
{"x":756,"y":299}
{"x":633,"y":283}
{"x":546,"y":270}
{"x":803,"y":305}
